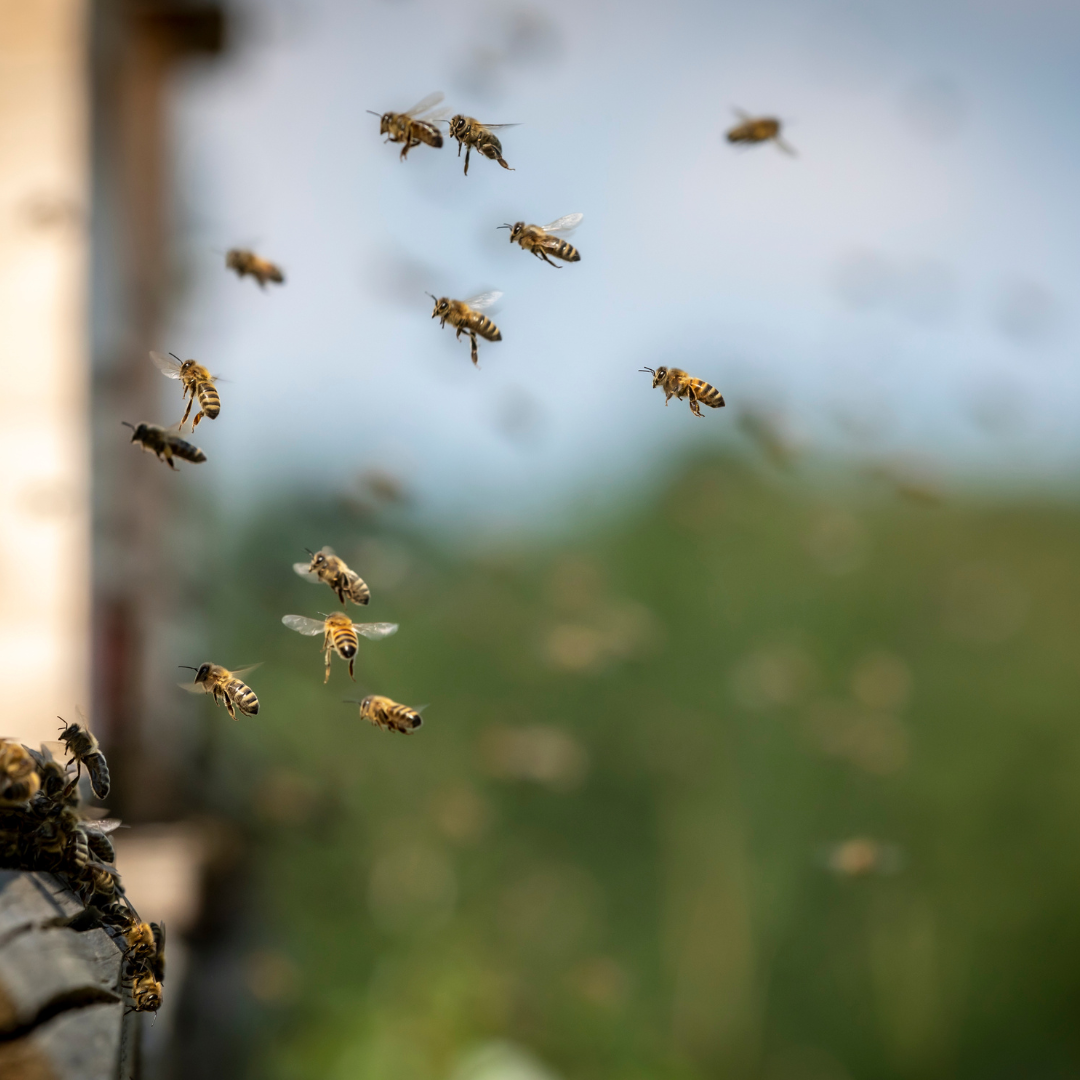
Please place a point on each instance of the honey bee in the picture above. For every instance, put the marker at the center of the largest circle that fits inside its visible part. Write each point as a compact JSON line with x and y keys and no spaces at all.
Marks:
{"x":248,"y":263}
{"x":465,"y":316}
{"x":146,"y":992}
{"x":677,"y":383}
{"x":387,"y":714}
{"x":164,"y":441}
{"x":339,"y":634}
{"x":97,"y":838}
{"x":226,"y":686}
{"x":539,"y":239}
{"x":757,"y":129}
{"x":862,"y":856}
{"x":19,"y":779}
{"x":84,"y":749}
{"x":407,"y":127}
{"x":139,"y":938}
{"x":326,"y":567}
{"x":197,"y":383}
{"x":472,"y":135}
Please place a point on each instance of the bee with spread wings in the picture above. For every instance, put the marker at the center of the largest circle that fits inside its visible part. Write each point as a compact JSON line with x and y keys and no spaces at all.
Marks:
{"x":473,"y":135}
{"x":327,"y":567}
{"x":197,"y":382}
{"x":542,"y":241}
{"x":407,"y":127}
{"x":340,"y":634}
{"x":226,"y":686}
{"x":467,"y":318}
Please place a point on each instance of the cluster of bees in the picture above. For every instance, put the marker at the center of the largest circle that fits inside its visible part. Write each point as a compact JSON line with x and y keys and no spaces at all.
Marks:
{"x":44,"y":826}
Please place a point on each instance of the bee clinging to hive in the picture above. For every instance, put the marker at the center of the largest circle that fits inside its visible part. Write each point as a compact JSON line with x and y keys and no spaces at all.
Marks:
{"x":340,"y":634}
{"x":541,"y":241}
{"x":757,"y":129}
{"x":166,"y":443}
{"x":473,"y":135}
{"x":326,"y":567}
{"x":467,"y":318}
{"x":226,"y":686}
{"x":84,"y":749}
{"x":19,"y":779}
{"x":248,"y":264}
{"x":412,"y":127}
{"x":197,"y":383}
{"x":677,"y":383}
{"x":388,"y":714}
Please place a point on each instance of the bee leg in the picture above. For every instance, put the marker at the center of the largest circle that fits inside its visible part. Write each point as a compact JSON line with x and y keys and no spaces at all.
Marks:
{"x":351,"y":663}
{"x":475,"y":361}
{"x":195,"y":422}
{"x":543,"y":255}
{"x":503,"y":164}
{"x":326,"y":657}
{"x":468,"y":151}
{"x":187,"y":411}
{"x":168,"y":459}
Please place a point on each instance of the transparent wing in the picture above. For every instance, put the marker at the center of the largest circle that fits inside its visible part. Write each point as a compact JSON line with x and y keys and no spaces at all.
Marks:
{"x":104,"y":825}
{"x":192,"y":687}
{"x":423,"y":105}
{"x":308,"y":627}
{"x":304,"y":570}
{"x":483,"y":300}
{"x":565,"y":224}
{"x":328,"y":550}
{"x":441,"y":116}
{"x":167,"y":365}
{"x":375,"y":630}
{"x":499,"y":127}
{"x":250,"y":668}
{"x":742,"y":114}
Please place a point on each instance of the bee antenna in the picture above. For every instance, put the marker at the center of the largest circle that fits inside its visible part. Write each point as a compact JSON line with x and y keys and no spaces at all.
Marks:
{"x":373,"y":112}
{"x":648,"y":369}
{"x":504,"y":226}
{"x":432,"y":295}
{"x":310,"y":552}
{"x":175,"y":357}
{"x":124,"y":423}
{"x":188,"y":666}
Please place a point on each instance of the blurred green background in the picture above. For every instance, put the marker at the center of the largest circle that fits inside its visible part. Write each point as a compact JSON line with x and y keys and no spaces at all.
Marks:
{"x":771,"y":774}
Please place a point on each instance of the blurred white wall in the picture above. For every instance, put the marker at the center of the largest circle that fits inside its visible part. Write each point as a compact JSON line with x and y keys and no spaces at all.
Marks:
{"x":44,"y":479}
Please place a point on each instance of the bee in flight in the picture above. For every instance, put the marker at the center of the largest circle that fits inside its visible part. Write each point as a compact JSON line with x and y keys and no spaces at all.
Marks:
{"x":407,"y":127}
{"x":473,"y":135}
{"x":197,"y":383}
{"x":226,"y":686}
{"x":677,"y":383}
{"x":757,"y":129}
{"x":166,"y":443}
{"x":84,"y":749}
{"x":539,"y":239}
{"x":465,"y":316}
{"x":340,"y":634}
{"x":326,"y":566}
{"x":247,"y":263}
{"x":388,"y":714}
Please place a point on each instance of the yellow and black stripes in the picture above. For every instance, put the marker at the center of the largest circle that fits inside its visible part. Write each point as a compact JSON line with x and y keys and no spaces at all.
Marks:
{"x":389,"y":715}
{"x":706,"y":393}
{"x":241,"y":695}
{"x":209,"y":402}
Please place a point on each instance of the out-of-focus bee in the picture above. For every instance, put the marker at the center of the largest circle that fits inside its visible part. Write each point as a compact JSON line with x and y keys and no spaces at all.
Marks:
{"x":56,"y":779}
{"x":473,"y":135}
{"x":388,"y":714}
{"x":146,"y":992}
{"x":862,"y":856}
{"x":226,"y":686}
{"x":97,"y":837}
{"x":19,"y":779}
{"x":757,"y":129}
{"x":197,"y":382}
{"x":465,"y":316}
{"x":247,"y":263}
{"x":539,"y":239}
{"x":339,"y":634}
{"x":407,"y":127}
{"x":165,"y":443}
{"x":677,"y":383}
{"x":325,"y":566}
{"x":83,"y":747}
{"x":139,"y":938}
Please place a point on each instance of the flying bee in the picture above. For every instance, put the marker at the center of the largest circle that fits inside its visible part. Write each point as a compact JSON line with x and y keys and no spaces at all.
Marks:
{"x":473,"y":135}
{"x":84,"y":749}
{"x":677,"y":383}
{"x":19,"y":779}
{"x":407,"y":127}
{"x":226,"y":686}
{"x":339,"y":634}
{"x":757,"y":129}
{"x":247,"y":263}
{"x":465,"y":316}
{"x":166,"y":443}
{"x":197,"y":382}
{"x":97,"y":838}
{"x":539,"y":239}
{"x":388,"y":714}
{"x":325,"y":566}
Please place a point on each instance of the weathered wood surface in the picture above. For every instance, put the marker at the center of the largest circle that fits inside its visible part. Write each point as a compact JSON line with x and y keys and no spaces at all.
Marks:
{"x":62,"y":1009}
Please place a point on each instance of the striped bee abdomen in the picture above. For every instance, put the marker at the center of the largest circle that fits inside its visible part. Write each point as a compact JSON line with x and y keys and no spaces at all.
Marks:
{"x":345,"y":641}
{"x":707,"y":394}
{"x":427,"y":133}
{"x":185,"y":451}
{"x":209,"y":402}
{"x":351,"y":585}
{"x":562,"y":249}
{"x":98,"y":770}
{"x":484,"y":327}
{"x":243,"y":697}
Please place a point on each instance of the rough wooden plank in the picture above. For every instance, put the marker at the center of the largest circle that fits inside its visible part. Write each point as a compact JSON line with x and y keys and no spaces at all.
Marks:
{"x":80,"y":1044}
{"x":23,"y":902}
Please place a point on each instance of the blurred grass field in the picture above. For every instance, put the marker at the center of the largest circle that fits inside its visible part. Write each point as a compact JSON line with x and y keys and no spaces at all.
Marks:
{"x":763,"y":778}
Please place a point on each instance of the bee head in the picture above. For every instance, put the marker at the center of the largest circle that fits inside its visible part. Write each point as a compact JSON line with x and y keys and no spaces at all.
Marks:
{"x":234,"y":259}
{"x":515,"y":230}
{"x":659,"y":375}
{"x":140,"y":432}
{"x":201,"y":672}
{"x":459,"y":125}
{"x":366,"y":703}
{"x":442,"y":306}
{"x":318,"y":559}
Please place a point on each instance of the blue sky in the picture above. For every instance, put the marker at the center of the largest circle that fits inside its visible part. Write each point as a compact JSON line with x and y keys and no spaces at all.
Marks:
{"x":904,"y":288}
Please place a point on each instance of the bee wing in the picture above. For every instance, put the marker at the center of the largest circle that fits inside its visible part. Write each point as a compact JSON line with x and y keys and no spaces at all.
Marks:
{"x":499,"y":127}
{"x":742,"y":114}
{"x":305,"y":571}
{"x":483,"y":300}
{"x":192,"y":687}
{"x":328,"y":550}
{"x":167,"y":365}
{"x":565,"y":224}
{"x":424,"y":104}
{"x":375,"y":630}
{"x":308,"y":627}
{"x":249,"y":669}
{"x":104,"y":825}
{"x":442,"y":116}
